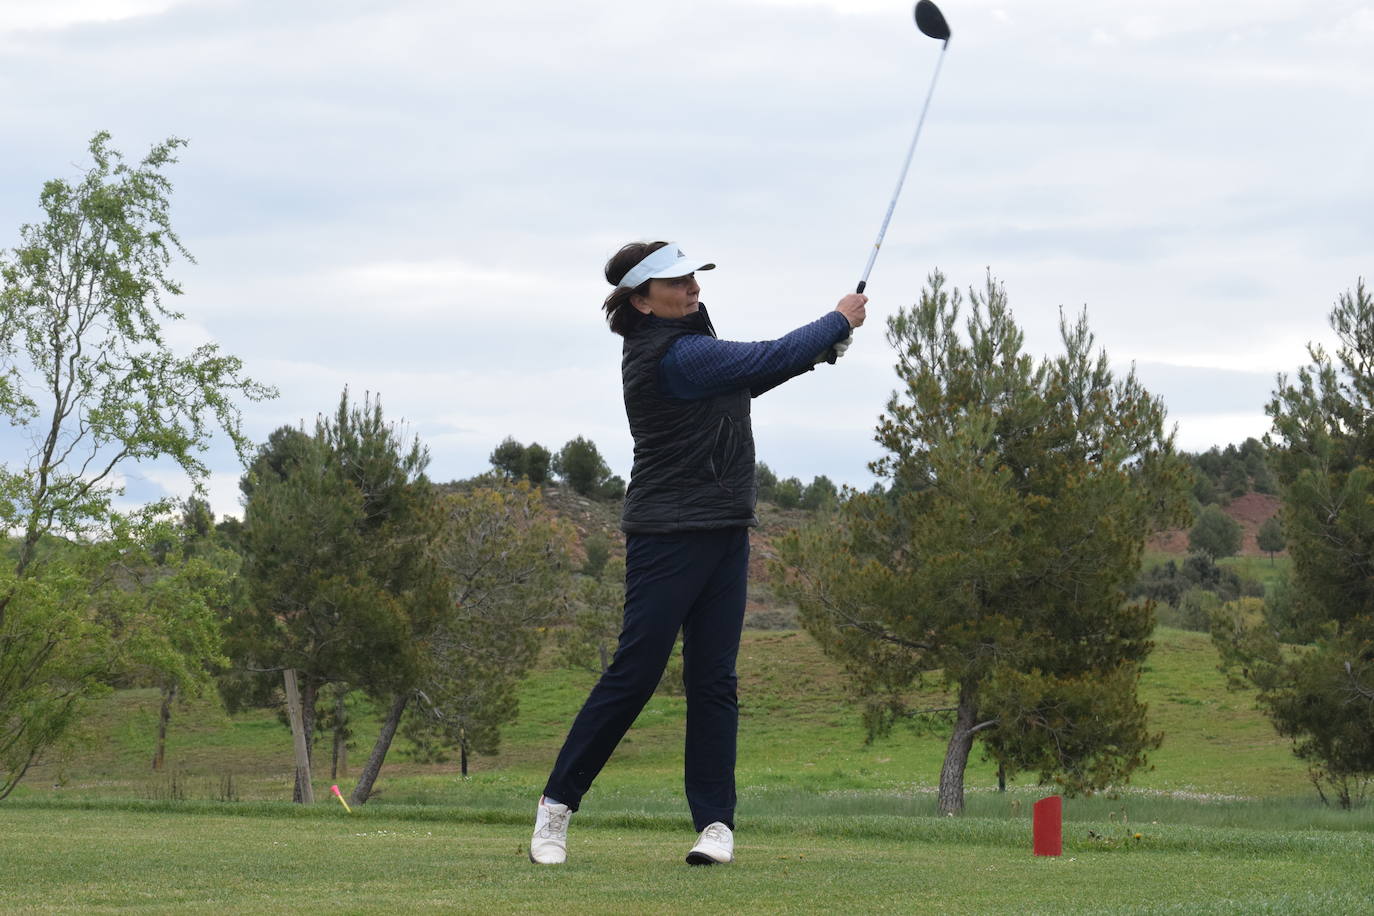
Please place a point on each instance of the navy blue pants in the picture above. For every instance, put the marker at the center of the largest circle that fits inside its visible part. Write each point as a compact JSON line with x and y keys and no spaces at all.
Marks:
{"x":693,"y":581}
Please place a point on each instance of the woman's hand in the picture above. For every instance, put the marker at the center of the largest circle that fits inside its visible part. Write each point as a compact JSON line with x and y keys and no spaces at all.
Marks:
{"x":852,"y":308}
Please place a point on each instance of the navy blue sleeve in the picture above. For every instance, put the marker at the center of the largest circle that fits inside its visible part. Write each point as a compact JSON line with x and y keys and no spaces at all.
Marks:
{"x":700,"y":366}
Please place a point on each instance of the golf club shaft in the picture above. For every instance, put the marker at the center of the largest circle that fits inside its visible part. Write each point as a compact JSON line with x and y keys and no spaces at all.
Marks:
{"x":901,"y":179}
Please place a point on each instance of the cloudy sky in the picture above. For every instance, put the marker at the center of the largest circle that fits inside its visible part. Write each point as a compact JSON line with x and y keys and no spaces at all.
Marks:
{"x":416,"y":197}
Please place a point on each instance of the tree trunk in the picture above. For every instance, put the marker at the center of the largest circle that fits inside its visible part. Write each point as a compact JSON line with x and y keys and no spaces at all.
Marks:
{"x":310,"y":692}
{"x":169,"y":694}
{"x":463,"y":755}
{"x":374,"y":761}
{"x":310,"y":695}
{"x":956,"y":755}
{"x":304,"y":793}
{"x":1001,"y":777}
{"x":339,"y":763}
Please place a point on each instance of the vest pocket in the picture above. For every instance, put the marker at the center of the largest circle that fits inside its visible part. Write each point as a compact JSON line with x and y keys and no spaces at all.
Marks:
{"x":723,"y":450}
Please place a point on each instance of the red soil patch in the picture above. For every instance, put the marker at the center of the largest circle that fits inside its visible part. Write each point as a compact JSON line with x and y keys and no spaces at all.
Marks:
{"x":1252,"y":510}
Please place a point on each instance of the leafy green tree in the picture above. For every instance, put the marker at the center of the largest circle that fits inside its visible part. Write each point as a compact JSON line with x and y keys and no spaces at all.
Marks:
{"x":209,"y":570}
{"x":788,"y":493}
{"x":767,"y":482}
{"x":590,"y":638}
{"x":1204,"y":489}
{"x":819,"y":493}
{"x":1235,"y":479}
{"x":611,"y":489}
{"x":1285,"y":615}
{"x":1270,"y":537}
{"x":537,"y":459}
{"x":1216,"y":534}
{"x":509,"y":458}
{"x":1021,"y":497}
{"x":1322,"y":455}
{"x":86,"y":377}
{"x":93,"y":615}
{"x":581,"y":467}
{"x":516,"y":461}
{"x":598,"y":549}
{"x":1256,"y":458}
{"x":505,"y":564}
{"x":197,"y":526}
{"x":1195,"y":611}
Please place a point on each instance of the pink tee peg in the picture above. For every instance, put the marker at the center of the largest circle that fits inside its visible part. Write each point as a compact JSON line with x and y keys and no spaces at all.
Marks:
{"x":339,"y":796}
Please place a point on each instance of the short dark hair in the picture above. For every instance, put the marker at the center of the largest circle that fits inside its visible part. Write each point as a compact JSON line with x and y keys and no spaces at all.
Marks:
{"x":621,"y":315}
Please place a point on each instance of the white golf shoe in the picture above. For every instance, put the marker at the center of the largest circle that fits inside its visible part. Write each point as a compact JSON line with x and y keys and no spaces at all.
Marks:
{"x":715,"y":845}
{"x":549,"y":845}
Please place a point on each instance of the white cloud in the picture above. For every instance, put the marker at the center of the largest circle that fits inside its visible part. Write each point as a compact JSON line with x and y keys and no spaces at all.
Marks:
{"x":21,"y":15}
{"x":1199,"y":432}
{"x":417,"y":198}
{"x":414,"y":289}
{"x":1354,"y":30}
{"x":221,"y":486}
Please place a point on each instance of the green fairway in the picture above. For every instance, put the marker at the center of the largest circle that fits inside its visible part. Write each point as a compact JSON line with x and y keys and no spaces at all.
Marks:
{"x":196,"y":858}
{"x":1226,"y":821}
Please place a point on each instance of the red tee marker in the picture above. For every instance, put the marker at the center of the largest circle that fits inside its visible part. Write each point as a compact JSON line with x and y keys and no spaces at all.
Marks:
{"x":1049,"y":826}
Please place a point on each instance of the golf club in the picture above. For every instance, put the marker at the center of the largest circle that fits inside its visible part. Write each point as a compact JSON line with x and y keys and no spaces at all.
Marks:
{"x":931,"y":22}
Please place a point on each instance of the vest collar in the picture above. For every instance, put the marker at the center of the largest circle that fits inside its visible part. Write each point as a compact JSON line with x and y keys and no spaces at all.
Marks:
{"x":699,"y":321}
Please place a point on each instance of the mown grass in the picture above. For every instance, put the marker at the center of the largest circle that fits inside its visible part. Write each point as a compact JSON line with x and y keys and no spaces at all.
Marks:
{"x":1225,"y":822}
{"x":202,"y":857}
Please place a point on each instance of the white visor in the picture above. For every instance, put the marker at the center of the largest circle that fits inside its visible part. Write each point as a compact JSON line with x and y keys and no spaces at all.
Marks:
{"x":667,"y":262}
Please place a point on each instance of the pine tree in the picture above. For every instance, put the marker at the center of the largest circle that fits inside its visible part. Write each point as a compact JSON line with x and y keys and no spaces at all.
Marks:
{"x":336,"y":532}
{"x":1322,"y":456}
{"x":1270,"y":537}
{"x":1216,"y":534}
{"x":1020,"y":499}
{"x":581,"y":467}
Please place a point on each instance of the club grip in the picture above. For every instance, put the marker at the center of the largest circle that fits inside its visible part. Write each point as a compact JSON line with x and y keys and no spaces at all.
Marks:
{"x":833,"y":355}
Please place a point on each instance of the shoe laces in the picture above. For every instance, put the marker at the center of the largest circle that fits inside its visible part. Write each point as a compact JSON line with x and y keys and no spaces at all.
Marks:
{"x":556,"y":827}
{"x":716,"y":833}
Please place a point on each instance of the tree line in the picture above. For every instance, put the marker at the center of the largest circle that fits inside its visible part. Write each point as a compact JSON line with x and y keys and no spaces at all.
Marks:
{"x":350,"y":574}
{"x":578,"y":464}
{"x":998,"y":557}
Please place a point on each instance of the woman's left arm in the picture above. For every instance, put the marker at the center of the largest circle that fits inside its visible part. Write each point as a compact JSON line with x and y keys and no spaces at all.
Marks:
{"x":699,"y":366}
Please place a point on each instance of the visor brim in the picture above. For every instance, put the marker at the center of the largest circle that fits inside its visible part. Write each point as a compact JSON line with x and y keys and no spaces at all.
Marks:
{"x":681,"y":268}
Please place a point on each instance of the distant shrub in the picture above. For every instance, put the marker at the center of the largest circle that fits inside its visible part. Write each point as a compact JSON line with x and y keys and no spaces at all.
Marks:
{"x":1194,"y":611}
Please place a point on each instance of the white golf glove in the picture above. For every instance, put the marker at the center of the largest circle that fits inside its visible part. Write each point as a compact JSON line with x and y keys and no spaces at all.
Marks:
{"x":839,"y":349}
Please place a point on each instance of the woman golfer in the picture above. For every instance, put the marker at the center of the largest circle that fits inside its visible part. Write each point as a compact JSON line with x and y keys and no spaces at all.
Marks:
{"x":688,"y":510}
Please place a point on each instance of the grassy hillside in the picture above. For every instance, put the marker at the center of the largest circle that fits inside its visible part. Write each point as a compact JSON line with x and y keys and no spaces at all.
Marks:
{"x":800,"y":735}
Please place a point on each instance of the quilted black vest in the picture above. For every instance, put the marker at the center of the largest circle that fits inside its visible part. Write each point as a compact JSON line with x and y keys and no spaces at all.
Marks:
{"x":694,"y":460}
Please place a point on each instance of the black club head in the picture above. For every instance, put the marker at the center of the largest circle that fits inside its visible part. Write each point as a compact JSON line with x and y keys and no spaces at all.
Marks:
{"x":931,"y":21}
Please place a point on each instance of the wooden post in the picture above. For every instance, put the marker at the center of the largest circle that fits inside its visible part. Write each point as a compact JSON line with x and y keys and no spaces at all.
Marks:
{"x":293,"y":710}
